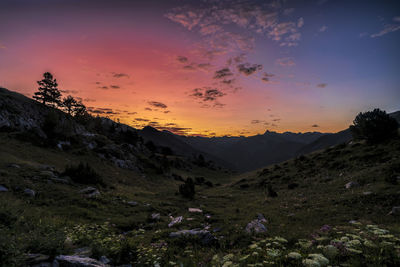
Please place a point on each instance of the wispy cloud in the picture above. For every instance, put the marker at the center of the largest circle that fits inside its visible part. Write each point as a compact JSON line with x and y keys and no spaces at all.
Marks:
{"x":387,"y":29}
{"x":248,"y":69}
{"x":266,"y":77}
{"x":285,"y":62}
{"x":120,"y":75}
{"x":222,"y":73}
{"x":157,"y":104}
{"x":323,"y":28}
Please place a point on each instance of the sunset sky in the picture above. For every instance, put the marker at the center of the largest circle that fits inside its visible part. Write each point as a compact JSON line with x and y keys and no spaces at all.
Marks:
{"x":209,"y":67}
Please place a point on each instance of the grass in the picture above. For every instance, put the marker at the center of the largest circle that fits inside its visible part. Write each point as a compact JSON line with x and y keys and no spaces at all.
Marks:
{"x":125,"y":233}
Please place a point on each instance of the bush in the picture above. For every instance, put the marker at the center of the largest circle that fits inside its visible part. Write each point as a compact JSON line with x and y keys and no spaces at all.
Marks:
{"x":374,"y":126}
{"x":187,"y":189}
{"x":83,"y":174}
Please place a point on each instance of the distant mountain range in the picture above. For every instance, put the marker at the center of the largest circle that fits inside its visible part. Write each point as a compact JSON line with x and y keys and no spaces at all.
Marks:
{"x":249,"y":153}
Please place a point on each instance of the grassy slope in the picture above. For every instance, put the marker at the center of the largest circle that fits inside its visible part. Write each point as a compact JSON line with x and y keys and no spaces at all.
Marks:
{"x":321,"y":197}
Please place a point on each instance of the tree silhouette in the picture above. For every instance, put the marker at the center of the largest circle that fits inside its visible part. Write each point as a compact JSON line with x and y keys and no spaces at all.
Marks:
{"x":374,"y":126}
{"x":48,"y":92}
{"x":69,"y":104}
{"x":73,"y":107}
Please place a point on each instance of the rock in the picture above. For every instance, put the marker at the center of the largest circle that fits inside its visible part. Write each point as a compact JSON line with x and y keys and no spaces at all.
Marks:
{"x":90,"y":192}
{"x":255,"y":226}
{"x":261,"y":218}
{"x":3,"y":188}
{"x":62,"y":144}
{"x":395,"y":211}
{"x":155,"y":216}
{"x":15,"y":166}
{"x":77,"y":261}
{"x":367,"y":193}
{"x":351,"y":184}
{"x":29,"y":192}
{"x":205,"y":236}
{"x":105,"y":260}
{"x":176,"y":220}
{"x":195,"y":210}
{"x":132,"y":203}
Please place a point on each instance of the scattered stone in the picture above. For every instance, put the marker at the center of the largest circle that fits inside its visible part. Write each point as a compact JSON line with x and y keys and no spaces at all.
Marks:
{"x":195,"y":210}
{"x":105,"y":260}
{"x":367,"y":193}
{"x":77,"y":261}
{"x":395,"y":211}
{"x":3,"y":188}
{"x":176,"y":220}
{"x":90,"y":192}
{"x":29,"y":192}
{"x":205,"y":236}
{"x":255,"y":226}
{"x":261,"y":218}
{"x":132,"y":203}
{"x":352,"y":184}
{"x":155,"y":216}
{"x":13,"y":165}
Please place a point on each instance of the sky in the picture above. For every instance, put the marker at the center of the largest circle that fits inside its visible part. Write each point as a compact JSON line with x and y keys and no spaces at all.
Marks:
{"x":208,"y":67}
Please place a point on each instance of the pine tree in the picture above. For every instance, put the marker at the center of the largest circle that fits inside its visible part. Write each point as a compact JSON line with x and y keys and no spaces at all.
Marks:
{"x":48,"y":92}
{"x":69,"y":104}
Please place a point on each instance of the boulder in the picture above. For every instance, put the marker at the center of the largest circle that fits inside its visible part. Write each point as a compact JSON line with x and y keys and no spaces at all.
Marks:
{"x":176,"y":220}
{"x":351,"y":184}
{"x":90,"y":192}
{"x":29,"y":192}
{"x":256,"y":226}
{"x":3,"y":188}
{"x":132,"y":203}
{"x":155,"y":216}
{"x":195,"y":210}
{"x":205,"y":236}
{"x":78,"y":261}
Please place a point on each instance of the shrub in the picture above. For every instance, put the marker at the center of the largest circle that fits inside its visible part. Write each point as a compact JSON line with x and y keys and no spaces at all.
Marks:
{"x":187,"y":189}
{"x":83,"y":174}
{"x":374,"y":126}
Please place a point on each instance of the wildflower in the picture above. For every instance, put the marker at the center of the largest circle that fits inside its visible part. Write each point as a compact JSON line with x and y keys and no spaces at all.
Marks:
{"x":325,"y":228}
{"x":369,"y":244}
{"x":294,"y":256}
{"x":227,"y":264}
{"x":311,"y":263}
{"x":228,"y":257}
{"x":353,"y":250}
{"x":253,"y":246}
{"x":244,"y":257}
{"x":281,"y":239}
{"x":273,"y":253}
{"x":322,"y":261}
{"x":330,"y":251}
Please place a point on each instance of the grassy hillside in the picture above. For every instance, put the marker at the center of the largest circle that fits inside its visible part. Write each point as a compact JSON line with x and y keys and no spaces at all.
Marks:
{"x":310,"y":191}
